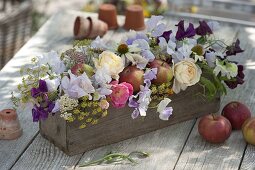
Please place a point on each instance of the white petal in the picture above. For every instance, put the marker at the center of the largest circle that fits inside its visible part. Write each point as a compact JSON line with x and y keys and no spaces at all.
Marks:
{"x":162,"y":105}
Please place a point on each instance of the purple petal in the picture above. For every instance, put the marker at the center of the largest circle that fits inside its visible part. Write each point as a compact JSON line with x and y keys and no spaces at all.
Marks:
{"x":135,"y":113}
{"x":43,"y":86}
{"x":151,"y":74}
{"x":203,"y":29}
{"x":182,"y":33}
{"x":35,"y":92}
{"x":36,"y":115}
{"x":132,"y":102}
{"x":234,"y":48}
{"x":166,"y":113}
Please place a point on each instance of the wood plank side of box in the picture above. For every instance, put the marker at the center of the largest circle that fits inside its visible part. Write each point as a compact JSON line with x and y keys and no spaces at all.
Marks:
{"x":118,"y":124}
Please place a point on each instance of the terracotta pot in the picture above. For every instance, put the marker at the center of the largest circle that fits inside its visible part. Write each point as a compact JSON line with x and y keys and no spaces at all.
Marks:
{"x":134,"y":18}
{"x":88,"y":28}
{"x":108,"y":14}
{"x":9,"y":125}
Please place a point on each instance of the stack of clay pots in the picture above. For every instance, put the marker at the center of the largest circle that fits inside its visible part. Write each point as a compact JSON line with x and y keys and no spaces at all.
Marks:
{"x":107,"y":19}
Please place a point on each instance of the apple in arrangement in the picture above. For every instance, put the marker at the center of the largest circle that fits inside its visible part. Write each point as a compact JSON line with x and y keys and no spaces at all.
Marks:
{"x":132,"y":75}
{"x":79,"y":69}
{"x":214,"y":128}
{"x":164,"y":73}
{"x":236,"y":113}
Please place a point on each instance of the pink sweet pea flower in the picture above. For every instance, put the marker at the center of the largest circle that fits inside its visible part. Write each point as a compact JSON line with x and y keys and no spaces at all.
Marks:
{"x":120,"y":93}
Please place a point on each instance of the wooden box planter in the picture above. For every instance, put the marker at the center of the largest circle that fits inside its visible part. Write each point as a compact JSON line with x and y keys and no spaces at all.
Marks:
{"x":118,"y":124}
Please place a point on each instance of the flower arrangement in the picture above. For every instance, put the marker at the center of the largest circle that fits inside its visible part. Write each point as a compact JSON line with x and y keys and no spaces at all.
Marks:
{"x":141,"y":71}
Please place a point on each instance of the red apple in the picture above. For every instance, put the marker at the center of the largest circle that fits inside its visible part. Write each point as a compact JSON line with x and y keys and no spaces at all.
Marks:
{"x":164,"y":74}
{"x":79,"y":69}
{"x":214,"y":128}
{"x":236,"y":113}
{"x":248,"y":130}
{"x":132,"y":75}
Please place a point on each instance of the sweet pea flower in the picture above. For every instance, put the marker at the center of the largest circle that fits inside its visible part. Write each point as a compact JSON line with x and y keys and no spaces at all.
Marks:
{"x":234,"y":48}
{"x":203,"y":29}
{"x":145,"y":49}
{"x":184,"y":33}
{"x":53,"y":84}
{"x":44,"y":107}
{"x":53,"y":60}
{"x":141,"y":100}
{"x":164,"y":111}
{"x":77,"y":86}
{"x":227,"y":69}
{"x":132,"y":36}
{"x":239,"y":79}
{"x":154,"y":27}
{"x":120,"y":93}
{"x":99,"y":43}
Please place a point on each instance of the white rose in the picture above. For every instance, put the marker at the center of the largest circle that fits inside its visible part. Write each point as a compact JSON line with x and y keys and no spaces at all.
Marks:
{"x":110,"y":61}
{"x":186,"y":73}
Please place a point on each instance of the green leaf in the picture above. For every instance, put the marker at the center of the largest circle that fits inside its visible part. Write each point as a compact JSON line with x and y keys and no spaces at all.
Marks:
{"x":210,"y":89}
{"x":201,"y":40}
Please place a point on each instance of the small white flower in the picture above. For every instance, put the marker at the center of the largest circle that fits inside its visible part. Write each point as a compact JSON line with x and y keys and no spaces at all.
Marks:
{"x":53,"y":60}
{"x":53,"y":84}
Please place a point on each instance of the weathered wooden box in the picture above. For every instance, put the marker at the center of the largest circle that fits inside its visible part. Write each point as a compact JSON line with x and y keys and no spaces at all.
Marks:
{"x":119,"y":125}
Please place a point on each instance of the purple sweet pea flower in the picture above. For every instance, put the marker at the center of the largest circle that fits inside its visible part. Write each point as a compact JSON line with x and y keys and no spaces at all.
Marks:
{"x":151,"y":73}
{"x":141,"y":100}
{"x":135,"y":113}
{"x":39,"y":113}
{"x":165,"y":35}
{"x":238,"y":79}
{"x":41,"y":89}
{"x":203,"y":29}
{"x":182,"y":33}
{"x":45,"y":106}
{"x":136,"y":36}
{"x":166,"y":113}
{"x":234,"y":48}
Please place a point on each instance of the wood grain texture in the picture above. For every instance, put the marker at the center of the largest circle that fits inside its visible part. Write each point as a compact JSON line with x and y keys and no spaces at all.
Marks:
{"x":118,"y":124}
{"x":44,"y":149}
{"x":49,"y":37}
{"x":164,"y":147}
{"x":199,"y":154}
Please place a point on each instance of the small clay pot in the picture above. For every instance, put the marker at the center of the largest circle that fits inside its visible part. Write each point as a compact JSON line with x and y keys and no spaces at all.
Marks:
{"x":88,"y":28}
{"x":9,"y":125}
{"x":108,"y":14}
{"x":134,"y":18}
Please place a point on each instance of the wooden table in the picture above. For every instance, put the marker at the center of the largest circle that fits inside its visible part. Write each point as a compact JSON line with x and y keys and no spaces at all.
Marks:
{"x":175,"y":147}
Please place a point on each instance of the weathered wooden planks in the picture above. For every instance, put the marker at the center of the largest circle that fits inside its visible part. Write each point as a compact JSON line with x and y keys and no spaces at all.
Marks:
{"x":164,"y":145}
{"x":197,"y":153}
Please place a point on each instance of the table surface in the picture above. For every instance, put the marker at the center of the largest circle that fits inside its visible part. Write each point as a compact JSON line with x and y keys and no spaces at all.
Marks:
{"x":175,"y":147}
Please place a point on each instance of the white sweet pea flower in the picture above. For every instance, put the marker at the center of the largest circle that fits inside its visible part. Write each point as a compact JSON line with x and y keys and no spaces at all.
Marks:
{"x":103,"y":75}
{"x":98,"y":43}
{"x":53,"y":60}
{"x":53,"y":84}
{"x":164,"y":111}
{"x":137,"y":60}
{"x":226,"y":69}
{"x":77,"y":86}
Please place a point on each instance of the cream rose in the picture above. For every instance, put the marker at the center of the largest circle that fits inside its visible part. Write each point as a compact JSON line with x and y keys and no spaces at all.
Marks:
{"x":186,"y":73}
{"x":110,"y":61}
